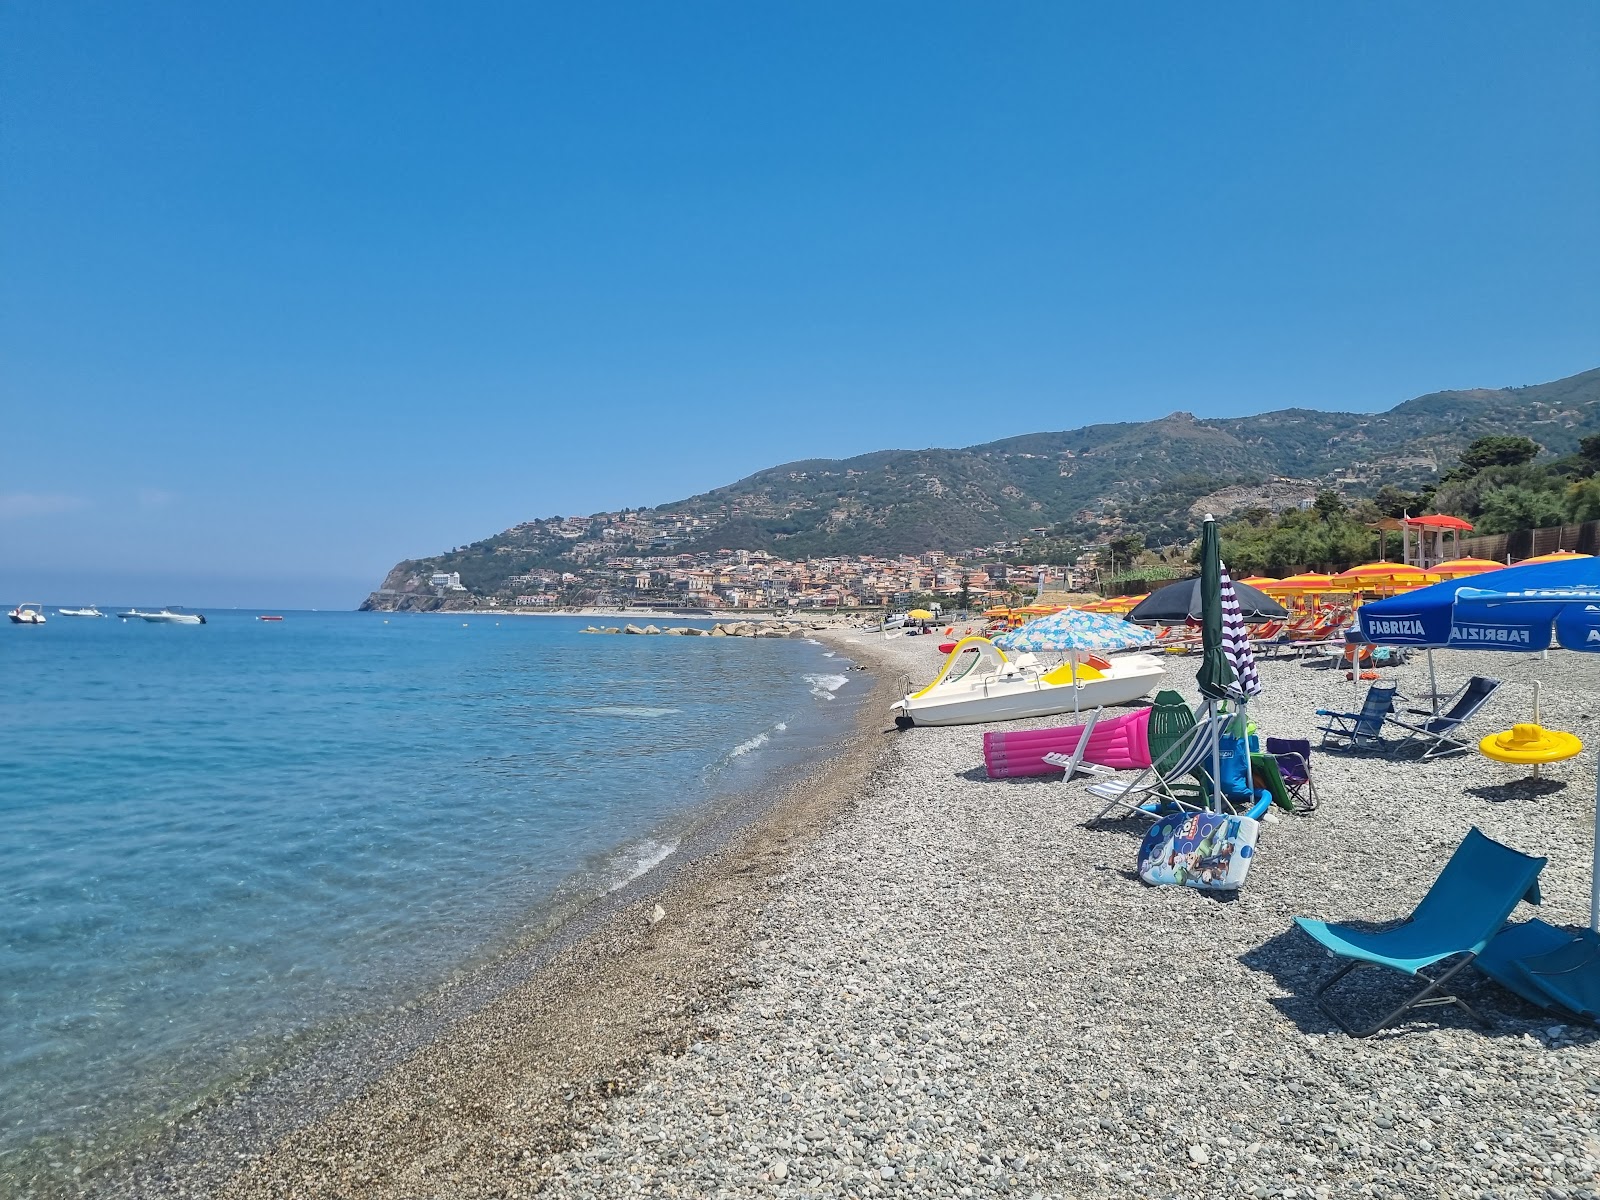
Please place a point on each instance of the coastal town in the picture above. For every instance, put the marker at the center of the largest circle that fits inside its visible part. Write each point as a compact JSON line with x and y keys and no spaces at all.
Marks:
{"x":604,"y":574}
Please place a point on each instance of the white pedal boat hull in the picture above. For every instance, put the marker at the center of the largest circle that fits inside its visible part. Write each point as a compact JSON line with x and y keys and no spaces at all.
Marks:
{"x":996,"y":689}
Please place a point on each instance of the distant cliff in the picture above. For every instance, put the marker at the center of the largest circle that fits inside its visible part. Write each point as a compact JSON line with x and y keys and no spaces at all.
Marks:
{"x":1142,"y":476}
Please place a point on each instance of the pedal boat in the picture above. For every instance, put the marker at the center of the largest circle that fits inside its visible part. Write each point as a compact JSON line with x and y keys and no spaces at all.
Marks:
{"x":978,"y":683}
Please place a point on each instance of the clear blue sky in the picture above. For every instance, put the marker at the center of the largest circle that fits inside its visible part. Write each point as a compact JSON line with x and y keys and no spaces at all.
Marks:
{"x":291,"y":291}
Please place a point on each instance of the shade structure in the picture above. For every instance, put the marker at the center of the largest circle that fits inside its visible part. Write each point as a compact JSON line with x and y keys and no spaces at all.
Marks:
{"x":1074,"y":629}
{"x":920,"y":614}
{"x":1461,"y":568}
{"x":1526,"y":608}
{"x":1179,"y":603}
{"x":1555,"y":556}
{"x":1259,"y":582}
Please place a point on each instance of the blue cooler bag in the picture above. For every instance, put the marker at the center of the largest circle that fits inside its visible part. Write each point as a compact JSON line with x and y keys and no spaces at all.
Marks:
{"x":1199,"y":850}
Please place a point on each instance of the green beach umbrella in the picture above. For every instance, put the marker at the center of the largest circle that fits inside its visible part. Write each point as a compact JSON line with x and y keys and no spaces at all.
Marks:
{"x":1215,"y":674}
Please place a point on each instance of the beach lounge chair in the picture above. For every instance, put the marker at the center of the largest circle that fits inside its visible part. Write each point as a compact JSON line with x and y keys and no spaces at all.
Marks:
{"x":1437,"y":734}
{"x":1293,"y":756}
{"x":1159,"y":788}
{"x":1073,"y":763}
{"x":1464,"y":909}
{"x":1364,"y":728}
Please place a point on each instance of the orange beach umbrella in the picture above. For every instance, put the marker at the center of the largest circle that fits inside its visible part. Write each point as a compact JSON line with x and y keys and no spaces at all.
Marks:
{"x":1310,"y":583}
{"x":1557,"y":556}
{"x":1460,"y":568}
{"x":1385,"y":576}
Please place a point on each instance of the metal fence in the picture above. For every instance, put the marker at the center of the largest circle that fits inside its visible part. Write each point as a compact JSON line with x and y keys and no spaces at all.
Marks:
{"x":1527,"y":543}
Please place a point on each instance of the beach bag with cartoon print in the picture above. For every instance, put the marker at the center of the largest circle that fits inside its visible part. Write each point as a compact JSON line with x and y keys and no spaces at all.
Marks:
{"x":1199,"y":850}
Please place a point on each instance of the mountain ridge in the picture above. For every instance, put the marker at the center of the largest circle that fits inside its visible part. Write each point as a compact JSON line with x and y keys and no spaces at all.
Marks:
{"x":1081,"y":483}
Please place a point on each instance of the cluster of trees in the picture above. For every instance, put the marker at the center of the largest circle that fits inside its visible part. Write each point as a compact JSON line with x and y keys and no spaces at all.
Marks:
{"x":1497,"y":486}
{"x":1500,"y":489}
{"x":1328,"y":536}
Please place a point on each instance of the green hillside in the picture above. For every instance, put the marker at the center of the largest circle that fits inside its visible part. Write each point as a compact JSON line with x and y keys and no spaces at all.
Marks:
{"x":1079,"y":483}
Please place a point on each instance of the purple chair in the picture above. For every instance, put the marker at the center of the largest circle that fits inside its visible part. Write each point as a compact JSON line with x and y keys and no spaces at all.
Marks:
{"x":1293,"y":756}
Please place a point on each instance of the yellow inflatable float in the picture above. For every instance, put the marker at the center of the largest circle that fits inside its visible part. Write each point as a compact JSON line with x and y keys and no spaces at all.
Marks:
{"x":1528,"y":743}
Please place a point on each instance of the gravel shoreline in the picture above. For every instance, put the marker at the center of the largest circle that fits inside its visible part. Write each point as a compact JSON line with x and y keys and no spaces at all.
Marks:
{"x":908,"y":979}
{"x":960,"y":990}
{"x":468,"y":1091}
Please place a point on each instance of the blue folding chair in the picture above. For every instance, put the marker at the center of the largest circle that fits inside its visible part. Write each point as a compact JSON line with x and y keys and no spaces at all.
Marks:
{"x":1464,"y":909}
{"x":1438,"y":734}
{"x":1364,"y":728}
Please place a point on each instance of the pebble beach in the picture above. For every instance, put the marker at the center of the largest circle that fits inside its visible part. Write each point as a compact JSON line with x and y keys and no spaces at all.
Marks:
{"x":961,"y":990}
{"x":908,"y":979}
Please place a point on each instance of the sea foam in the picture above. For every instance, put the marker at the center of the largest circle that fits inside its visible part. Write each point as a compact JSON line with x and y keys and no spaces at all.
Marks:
{"x":824,"y":686}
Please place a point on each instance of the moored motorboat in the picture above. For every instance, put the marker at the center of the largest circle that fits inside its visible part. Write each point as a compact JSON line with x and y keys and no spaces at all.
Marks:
{"x":91,"y":611}
{"x":269,"y":618}
{"x":978,"y":683}
{"x":173,"y":616}
{"x":132,"y":614}
{"x":27,"y":614}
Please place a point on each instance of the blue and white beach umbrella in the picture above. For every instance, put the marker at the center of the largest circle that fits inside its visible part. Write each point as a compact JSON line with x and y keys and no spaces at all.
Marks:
{"x":1071,"y":629}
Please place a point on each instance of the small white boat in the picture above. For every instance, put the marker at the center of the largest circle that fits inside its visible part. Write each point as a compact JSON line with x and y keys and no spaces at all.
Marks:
{"x":91,"y":611}
{"x":27,"y":614}
{"x":173,"y":616}
{"x":978,"y":683}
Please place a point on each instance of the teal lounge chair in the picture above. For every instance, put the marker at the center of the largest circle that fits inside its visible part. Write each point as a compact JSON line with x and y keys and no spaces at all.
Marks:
{"x":1518,"y":942}
{"x":1464,"y":909}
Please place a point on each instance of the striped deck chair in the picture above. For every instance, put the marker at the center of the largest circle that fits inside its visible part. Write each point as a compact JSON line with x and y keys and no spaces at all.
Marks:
{"x":1158,"y":788}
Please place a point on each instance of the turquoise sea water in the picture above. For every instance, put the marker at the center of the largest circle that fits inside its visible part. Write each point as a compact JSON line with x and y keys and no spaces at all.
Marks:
{"x":220,"y":841}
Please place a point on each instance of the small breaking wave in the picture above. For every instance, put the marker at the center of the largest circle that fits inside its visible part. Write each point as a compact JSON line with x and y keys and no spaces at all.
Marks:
{"x":639,"y":860}
{"x":629,"y":710}
{"x":824,"y":686}
{"x":745,"y":747}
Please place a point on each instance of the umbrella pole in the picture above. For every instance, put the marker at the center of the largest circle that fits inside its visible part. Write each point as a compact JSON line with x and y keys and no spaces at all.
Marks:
{"x":1433,"y":684}
{"x":1216,"y":762}
{"x":1073,"y":652}
{"x":1594,"y":867}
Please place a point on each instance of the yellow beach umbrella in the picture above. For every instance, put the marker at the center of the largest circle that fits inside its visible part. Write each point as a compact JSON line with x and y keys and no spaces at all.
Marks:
{"x":1308,"y":583}
{"x":920,"y":614}
{"x":1558,"y":556}
{"x":1461,"y":568}
{"x":1260,"y":582}
{"x":1385,"y":576}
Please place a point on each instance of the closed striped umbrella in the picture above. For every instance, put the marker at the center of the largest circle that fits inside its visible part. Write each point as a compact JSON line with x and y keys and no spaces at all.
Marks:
{"x":1236,"y":642}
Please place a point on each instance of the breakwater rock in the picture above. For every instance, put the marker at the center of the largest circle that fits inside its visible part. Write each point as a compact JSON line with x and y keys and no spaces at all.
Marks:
{"x":777,"y":629}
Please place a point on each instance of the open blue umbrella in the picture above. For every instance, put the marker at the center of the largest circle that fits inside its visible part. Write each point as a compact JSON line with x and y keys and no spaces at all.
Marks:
{"x":1071,"y":629}
{"x":1529,"y":609}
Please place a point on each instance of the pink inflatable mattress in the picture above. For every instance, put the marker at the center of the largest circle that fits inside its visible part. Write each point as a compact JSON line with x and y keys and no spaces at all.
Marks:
{"x":1118,"y":742}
